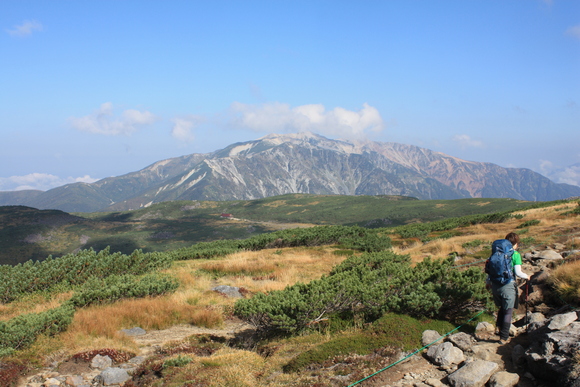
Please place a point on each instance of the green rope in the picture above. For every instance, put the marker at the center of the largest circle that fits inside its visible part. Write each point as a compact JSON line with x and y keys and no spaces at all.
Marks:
{"x":417,"y":351}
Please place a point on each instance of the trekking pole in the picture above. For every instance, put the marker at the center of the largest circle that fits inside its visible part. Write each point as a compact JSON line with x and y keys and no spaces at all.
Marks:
{"x":526,"y":302}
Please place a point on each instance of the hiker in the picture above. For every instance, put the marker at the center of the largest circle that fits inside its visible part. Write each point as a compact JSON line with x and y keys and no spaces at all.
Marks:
{"x":505,"y":295}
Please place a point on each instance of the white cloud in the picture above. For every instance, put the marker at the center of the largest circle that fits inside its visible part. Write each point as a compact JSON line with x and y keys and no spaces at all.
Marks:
{"x":574,"y":31}
{"x":546,"y":167}
{"x":103,"y":121}
{"x":275,"y":117}
{"x":183,"y":128}
{"x":25,"y":29}
{"x":567,"y":175}
{"x":39,"y":181}
{"x":465,"y":141}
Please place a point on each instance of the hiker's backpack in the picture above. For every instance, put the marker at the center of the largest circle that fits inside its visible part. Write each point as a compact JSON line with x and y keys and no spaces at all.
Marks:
{"x":499,"y":265}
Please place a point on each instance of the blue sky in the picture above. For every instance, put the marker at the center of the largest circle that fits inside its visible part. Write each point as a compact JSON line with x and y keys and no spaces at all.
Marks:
{"x":91,"y":89}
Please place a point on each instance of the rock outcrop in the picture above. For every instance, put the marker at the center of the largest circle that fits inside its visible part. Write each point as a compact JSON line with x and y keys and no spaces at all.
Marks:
{"x":541,"y":352}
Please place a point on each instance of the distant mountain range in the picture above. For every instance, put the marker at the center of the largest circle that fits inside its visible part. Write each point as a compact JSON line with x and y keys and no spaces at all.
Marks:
{"x":298,"y":163}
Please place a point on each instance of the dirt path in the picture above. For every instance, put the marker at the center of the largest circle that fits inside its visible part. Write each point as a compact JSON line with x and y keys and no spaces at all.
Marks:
{"x":152,"y":340}
{"x":148,"y":344}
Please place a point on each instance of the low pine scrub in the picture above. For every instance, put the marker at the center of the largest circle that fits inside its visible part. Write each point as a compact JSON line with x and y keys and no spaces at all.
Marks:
{"x":355,"y":237}
{"x":74,"y":269}
{"x":116,"y":287}
{"x":23,"y":330}
{"x":370,"y":285}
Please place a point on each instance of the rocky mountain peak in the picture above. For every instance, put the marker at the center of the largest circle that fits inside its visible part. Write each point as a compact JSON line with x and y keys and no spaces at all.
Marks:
{"x":303,"y":162}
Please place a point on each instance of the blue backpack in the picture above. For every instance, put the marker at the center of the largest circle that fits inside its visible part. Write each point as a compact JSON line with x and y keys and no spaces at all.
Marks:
{"x":499,"y":265}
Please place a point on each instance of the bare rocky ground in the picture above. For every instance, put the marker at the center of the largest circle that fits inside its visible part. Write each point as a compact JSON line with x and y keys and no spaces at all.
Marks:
{"x":65,"y":372}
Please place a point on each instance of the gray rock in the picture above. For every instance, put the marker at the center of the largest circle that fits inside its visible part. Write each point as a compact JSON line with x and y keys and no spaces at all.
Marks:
{"x":504,"y":379}
{"x":137,"y":360}
{"x":445,"y":354}
{"x":101,"y":362}
{"x":486,"y":351}
{"x":75,"y":380}
{"x":433,"y":382}
{"x":473,"y":374}
{"x":547,"y":254}
{"x":462,"y":340}
{"x":430,"y":336}
{"x":230,"y":291}
{"x":567,"y":340}
{"x":136,"y":331}
{"x":112,"y":376}
{"x":484,"y":330}
{"x":536,"y":317}
{"x":561,"y":321}
{"x":570,"y":252}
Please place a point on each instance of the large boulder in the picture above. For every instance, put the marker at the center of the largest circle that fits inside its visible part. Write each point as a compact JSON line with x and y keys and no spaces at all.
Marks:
{"x":504,"y":379}
{"x":473,"y":374}
{"x":112,"y":376}
{"x":445,"y":354}
{"x":550,"y":356}
{"x":462,"y":340}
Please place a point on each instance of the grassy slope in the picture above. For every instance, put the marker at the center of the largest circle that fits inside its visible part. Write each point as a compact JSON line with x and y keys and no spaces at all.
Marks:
{"x":97,"y":327}
{"x":27,"y":233}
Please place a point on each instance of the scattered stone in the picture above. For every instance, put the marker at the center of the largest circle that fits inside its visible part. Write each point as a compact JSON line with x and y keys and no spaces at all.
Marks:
{"x":433,"y":382}
{"x":536,"y":317}
{"x":230,"y":291}
{"x":462,"y":340}
{"x":486,"y":351}
{"x":137,"y":360}
{"x":430,"y":336}
{"x":473,"y":374}
{"x":51,"y":382}
{"x":484,"y":331}
{"x":74,"y":380}
{"x":445,"y":354}
{"x":546,"y":254}
{"x":561,"y":321}
{"x":112,"y":376}
{"x":504,"y":379}
{"x":101,"y":362}
{"x":136,"y":331}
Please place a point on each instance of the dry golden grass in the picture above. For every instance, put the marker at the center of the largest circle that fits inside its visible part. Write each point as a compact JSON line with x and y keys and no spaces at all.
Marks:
{"x":553,"y":227}
{"x":566,"y":279}
{"x":193,"y":303}
{"x":32,"y":304}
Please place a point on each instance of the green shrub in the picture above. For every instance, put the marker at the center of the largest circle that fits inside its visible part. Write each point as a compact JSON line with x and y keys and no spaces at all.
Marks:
{"x":112,"y":288}
{"x":74,"y":269}
{"x":370,"y":285}
{"x":529,"y":223}
{"x":527,"y":242}
{"x":473,"y":244}
{"x":23,"y":330}
{"x":178,"y":361}
{"x":422,"y":230}
{"x":354,"y":237}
